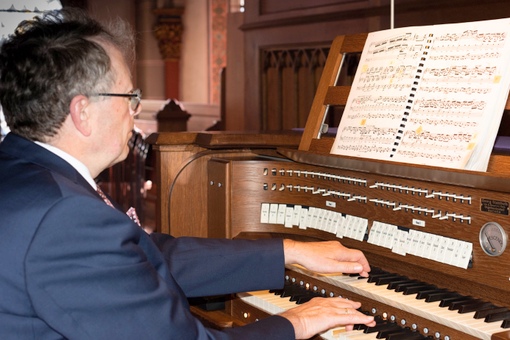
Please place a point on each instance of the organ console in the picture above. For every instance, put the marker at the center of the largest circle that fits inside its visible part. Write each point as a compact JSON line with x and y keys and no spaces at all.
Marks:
{"x":436,"y":238}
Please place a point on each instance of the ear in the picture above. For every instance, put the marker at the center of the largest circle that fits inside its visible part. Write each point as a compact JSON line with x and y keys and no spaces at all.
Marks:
{"x":80,"y":115}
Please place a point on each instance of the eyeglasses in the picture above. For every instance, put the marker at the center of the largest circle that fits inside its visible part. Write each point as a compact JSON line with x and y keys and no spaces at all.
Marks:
{"x":135,"y":96}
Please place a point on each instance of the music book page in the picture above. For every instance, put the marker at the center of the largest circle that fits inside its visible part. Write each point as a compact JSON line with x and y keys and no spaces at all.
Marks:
{"x":430,"y":95}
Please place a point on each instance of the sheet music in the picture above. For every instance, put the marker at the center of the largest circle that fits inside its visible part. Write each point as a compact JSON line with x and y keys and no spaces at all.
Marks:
{"x":429,"y":95}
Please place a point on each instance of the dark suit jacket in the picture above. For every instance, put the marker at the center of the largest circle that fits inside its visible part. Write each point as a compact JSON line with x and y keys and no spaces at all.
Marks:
{"x":73,"y":267}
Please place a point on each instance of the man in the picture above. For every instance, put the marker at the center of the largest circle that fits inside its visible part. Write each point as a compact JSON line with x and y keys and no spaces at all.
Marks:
{"x":73,"y":266}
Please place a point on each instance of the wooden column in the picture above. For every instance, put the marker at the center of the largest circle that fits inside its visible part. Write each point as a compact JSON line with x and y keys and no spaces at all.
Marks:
{"x":168,"y":32}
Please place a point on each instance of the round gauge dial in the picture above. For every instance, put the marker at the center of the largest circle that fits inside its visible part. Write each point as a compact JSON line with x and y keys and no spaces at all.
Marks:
{"x":493,"y":239}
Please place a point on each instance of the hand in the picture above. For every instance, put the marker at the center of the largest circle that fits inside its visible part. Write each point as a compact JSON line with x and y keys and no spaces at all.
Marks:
{"x":320,"y":314}
{"x":326,"y":257}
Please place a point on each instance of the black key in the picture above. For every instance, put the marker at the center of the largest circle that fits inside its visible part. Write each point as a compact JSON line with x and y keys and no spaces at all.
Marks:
{"x":297,"y":296}
{"x":483,"y":313}
{"x":424,"y":294}
{"x":378,"y":318}
{"x":287,"y":292}
{"x":290,"y":290}
{"x":498,"y":316}
{"x":473,"y":307}
{"x":456,"y":305}
{"x":401,"y":287}
{"x":414,"y":336}
{"x":394,"y":284}
{"x":394,"y":333}
{"x":433,"y":297}
{"x":416,"y":289}
{"x":407,"y":335}
{"x":374,"y":272}
{"x":388,"y":279}
{"x":391,"y":328}
{"x":506,"y":324}
{"x":377,"y":270}
{"x":447,"y":301}
{"x":378,"y":327}
{"x":304,"y":299}
{"x":310,"y":295}
{"x":375,"y":277}
{"x":360,"y":327}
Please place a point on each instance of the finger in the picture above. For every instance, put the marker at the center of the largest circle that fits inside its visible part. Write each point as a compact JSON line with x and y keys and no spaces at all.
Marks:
{"x":352,"y":304}
{"x":334,"y":266}
{"x":346,"y":306}
{"x":357,"y":256}
{"x":356,"y":318}
{"x":347,"y":261}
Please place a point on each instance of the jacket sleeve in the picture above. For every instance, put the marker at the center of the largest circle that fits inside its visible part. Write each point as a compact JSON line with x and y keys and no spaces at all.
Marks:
{"x":205,"y":267}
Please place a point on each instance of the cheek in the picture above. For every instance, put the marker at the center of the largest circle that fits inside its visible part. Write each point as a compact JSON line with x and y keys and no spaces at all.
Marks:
{"x":115,"y":134}
{"x":124,"y":131}
{"x":122,"y":124}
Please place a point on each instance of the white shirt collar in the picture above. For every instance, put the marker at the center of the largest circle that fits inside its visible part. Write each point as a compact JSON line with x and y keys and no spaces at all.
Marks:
{"x":79,"y":166}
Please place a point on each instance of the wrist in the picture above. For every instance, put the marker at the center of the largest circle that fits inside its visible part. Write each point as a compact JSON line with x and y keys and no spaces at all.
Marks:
{"x":290,"y":252}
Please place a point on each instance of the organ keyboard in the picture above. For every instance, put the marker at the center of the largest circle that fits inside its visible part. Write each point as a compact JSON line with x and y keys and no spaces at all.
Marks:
{"x":436,"y":238}
{"x":454,"y":311}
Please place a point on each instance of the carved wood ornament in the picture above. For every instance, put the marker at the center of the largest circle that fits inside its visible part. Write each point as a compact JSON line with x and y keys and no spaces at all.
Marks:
{"x":168,"y":32}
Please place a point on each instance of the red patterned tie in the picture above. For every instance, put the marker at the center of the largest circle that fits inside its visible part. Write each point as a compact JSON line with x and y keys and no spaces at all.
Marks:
{"x":103,"y":196}
{"x":132,"y":215}
{"x":131,"y":212}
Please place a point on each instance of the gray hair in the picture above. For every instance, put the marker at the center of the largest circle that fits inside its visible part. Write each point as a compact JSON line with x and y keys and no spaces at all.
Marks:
{"x":50,"y":60}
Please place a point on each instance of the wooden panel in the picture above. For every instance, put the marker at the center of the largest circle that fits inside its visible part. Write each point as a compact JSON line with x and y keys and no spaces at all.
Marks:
{"x":337,"y":95}
{"x":289,"y":97}
{"x":273,"y":98}
{"x":289,"y":80}
{"x":219,"y":204}
{"x":176,"y":160}
{"x":181,"y":173}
